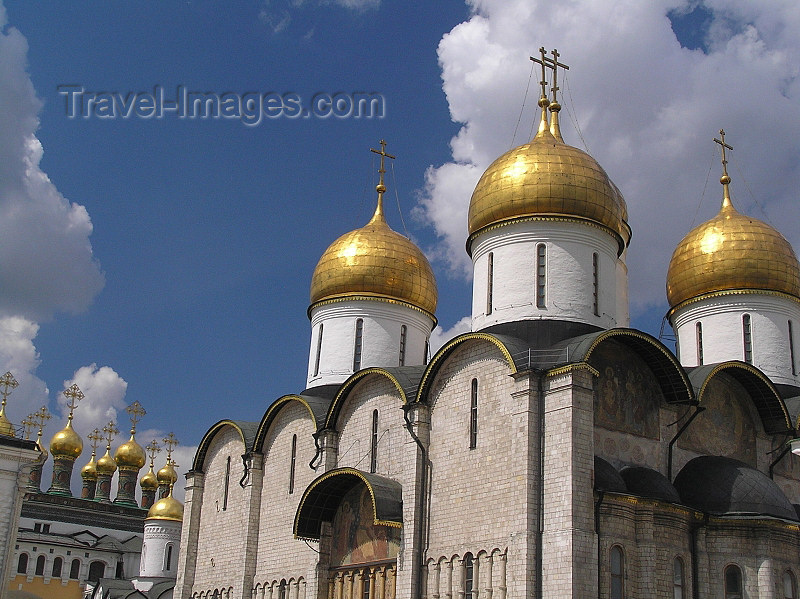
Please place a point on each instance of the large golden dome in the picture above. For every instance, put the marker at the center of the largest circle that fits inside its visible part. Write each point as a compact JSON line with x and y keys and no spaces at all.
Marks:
{"x":375,"y":262}
{"x":167,"y":508}
{"x":66,"y":443}
{"x":732,"y":252}
{"x":130,"y":455}
{"x":547,"y":178}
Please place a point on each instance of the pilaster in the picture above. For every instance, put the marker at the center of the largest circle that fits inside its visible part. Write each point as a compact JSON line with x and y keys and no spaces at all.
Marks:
{"x":187,"y":558}
{"x":328,"y":441}
{"x":253,"y":485}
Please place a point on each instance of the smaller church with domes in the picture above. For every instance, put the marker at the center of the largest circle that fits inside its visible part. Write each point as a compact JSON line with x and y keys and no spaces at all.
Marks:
{"x":553,"y":451}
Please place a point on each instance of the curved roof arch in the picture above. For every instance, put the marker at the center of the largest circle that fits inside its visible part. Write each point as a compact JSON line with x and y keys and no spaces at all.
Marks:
{"x":515,"y":351}
{"x":404,"y":378}
{"x":315,"y":406}
{"x":769,"y":404}
{"x":322,"y":497}
{"x":246,"y":430}
{"x":669,"y":373}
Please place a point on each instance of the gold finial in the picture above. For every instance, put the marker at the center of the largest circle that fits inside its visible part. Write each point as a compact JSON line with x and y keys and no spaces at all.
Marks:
{"x":170,"y":442}
{"x":724,"y":179}
{"x":94,"y":438}
{"x":39,"y":417}
{"x":136,"y":412}
{"x":28,"y":425}
{"x":73,"y":395}
{"x":8,"y":383}
{"x":153,"y":448}
{"x":555,"y":107}
{"x":380,"y":188}
{"x":110,"y":431}
{"x":543,"y":101}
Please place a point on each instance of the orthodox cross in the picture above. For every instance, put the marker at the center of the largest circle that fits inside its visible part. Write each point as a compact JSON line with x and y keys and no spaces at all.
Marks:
{"x":383,"y":156}
{"x":545,"y":62}
{"x":152,"y":449}
{"x":28,"y":424}
{"x":39,"y":417}
{"x":73,"y":395}
{"x":136,"y":411}
{"x":722,"y":143}
{"x":170,"y":441}
{"x":110,"y":432}
{"x":554,"y":64}
{"x":8,"y":383}
{"x":95,"y":437}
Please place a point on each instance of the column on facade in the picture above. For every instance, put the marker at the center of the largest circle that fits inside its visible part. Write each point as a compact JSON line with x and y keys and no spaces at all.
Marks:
{"x":252,"y":507}
{"x":187,"y":557}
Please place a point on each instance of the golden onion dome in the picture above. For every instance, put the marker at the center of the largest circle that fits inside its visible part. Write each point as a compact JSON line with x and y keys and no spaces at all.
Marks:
{"x":167,"y":508}
{"x":547,"y":178}
{"x":732,"y":252}
{"x":130,"y":455}
{"x":6,"y":428}
{"x":89,"y":471}
{"x":66,"y":443}
{"x":167,"y":475}
{"x":106,"y":464}
{"x":149,"y":482}
{"x":375,"y":262}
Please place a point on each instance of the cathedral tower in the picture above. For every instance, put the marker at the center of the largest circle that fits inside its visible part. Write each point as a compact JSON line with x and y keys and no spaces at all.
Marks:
{"x":65,"y":447}
{"x":130,"y":458}
{"x":733,"y":287}
{"x":547,"y":233}
{"x":162,"y":536}
{"x":373,"y":298}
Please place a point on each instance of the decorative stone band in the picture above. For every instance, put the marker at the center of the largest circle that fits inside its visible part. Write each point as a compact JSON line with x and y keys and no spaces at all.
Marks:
{"x":62,"y":474}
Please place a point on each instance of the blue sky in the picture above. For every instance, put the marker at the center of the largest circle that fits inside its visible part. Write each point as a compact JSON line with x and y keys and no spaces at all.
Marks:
{"x":168,"y":260}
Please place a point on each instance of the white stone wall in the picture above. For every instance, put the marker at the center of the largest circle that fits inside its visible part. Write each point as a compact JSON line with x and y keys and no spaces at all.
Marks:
{"x":159,"y":536}
{"x":721,"y":319}
{"x":279,"y":555}
{"x":380,"y":338}
{"x":222,"y":529}
{"x":569,"y":279}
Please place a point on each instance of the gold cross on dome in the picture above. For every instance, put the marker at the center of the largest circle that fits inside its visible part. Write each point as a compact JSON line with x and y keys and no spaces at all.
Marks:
{"x":136,"y":411}
{"x":28,"y":424}
{"x":170,"y":441}
{"x":41,"y":416}
{"x":554,"y":64}
{"x":8,"y":383}
{"x":110,"y":431}
{"x":722,"y":143}
{"x":383,"y":156}
{"x":95,"y":437}
{"x":544,"y":61}
{"x":73,"y":395}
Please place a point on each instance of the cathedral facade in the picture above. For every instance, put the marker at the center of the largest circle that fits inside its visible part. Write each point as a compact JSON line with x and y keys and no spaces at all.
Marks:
{"x":551,"y":452}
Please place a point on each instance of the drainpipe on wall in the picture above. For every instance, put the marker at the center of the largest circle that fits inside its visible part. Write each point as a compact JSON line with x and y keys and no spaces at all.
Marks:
{"x":421,"y":506}
{"x":697,"y":411}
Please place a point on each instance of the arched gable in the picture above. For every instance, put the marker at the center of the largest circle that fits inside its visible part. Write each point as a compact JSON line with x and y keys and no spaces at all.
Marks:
{"x":669,"y":373}
{"x":515,"y":352}
{"x":315,"y":406}
{"x":404,"y":379}
{"x":321,"y":499}
{"x":246,"y":430}
{"x":771,"y":408}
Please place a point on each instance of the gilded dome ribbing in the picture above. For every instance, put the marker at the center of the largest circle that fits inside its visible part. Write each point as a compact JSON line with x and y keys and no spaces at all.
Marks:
{"x":547,"y":178}
{"x":375,"y":261}
{"x":149,"y":482}
{"x":731,"y":252}
{"x":66,"y":443}
{"x":167,"y":475}
{"x":89,"y":471}
{"x":130,"y":455}
{"x":106,"y":464}
{"x":167,"y":508}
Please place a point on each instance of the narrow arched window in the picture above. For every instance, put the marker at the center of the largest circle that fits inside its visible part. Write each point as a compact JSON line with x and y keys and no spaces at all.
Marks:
{"x":75,"y":569}
{"x":617,"y":563}
{"x":473,"y":415}
{"x":403,"y":332}
{"x":733,"y":582}
{"x":747,"y":336}
{"x":789,"y":585}
{"x":282,"y":590}
{"x":698,"y":328}
{"x":373,"y":445}
{"x":469,"y":576}
{"x":293,"y":464}
{"x":489,"y":282}
{"x":319,"y":350}
{"x":58,"y":563}
{"x":596,"y":284}
{"x":22,"y":563}
{"x":168,"y":557}
{"x":96,"y":571}
{"x":39,"y":571}
{"x":541,"y":275}
{"x":791,"y":349}
{"x":357,"y":345}
{"x":365,"y":584}
{"x":678,"y":579}
{"x":227,"y":484}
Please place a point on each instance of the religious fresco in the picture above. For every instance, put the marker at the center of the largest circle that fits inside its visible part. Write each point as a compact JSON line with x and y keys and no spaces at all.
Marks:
{"x":356,"y":540}
{"x":627,"y":394}
{"x":726,"y":427}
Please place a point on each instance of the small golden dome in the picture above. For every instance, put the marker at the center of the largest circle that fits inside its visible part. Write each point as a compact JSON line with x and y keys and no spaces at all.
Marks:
{"x":89,"y":471}
{"x":149,"y":482}
{"x":6,"y":428}
{"x":547,"y":178}
{"x":130,"y":455}
{"x":66,"y":443}
{"x":375,"y":261}
{"x":167,"y":508}
{"x":167,"y":475}
{"x":732,"y":252}
{"x":106,"y":464}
